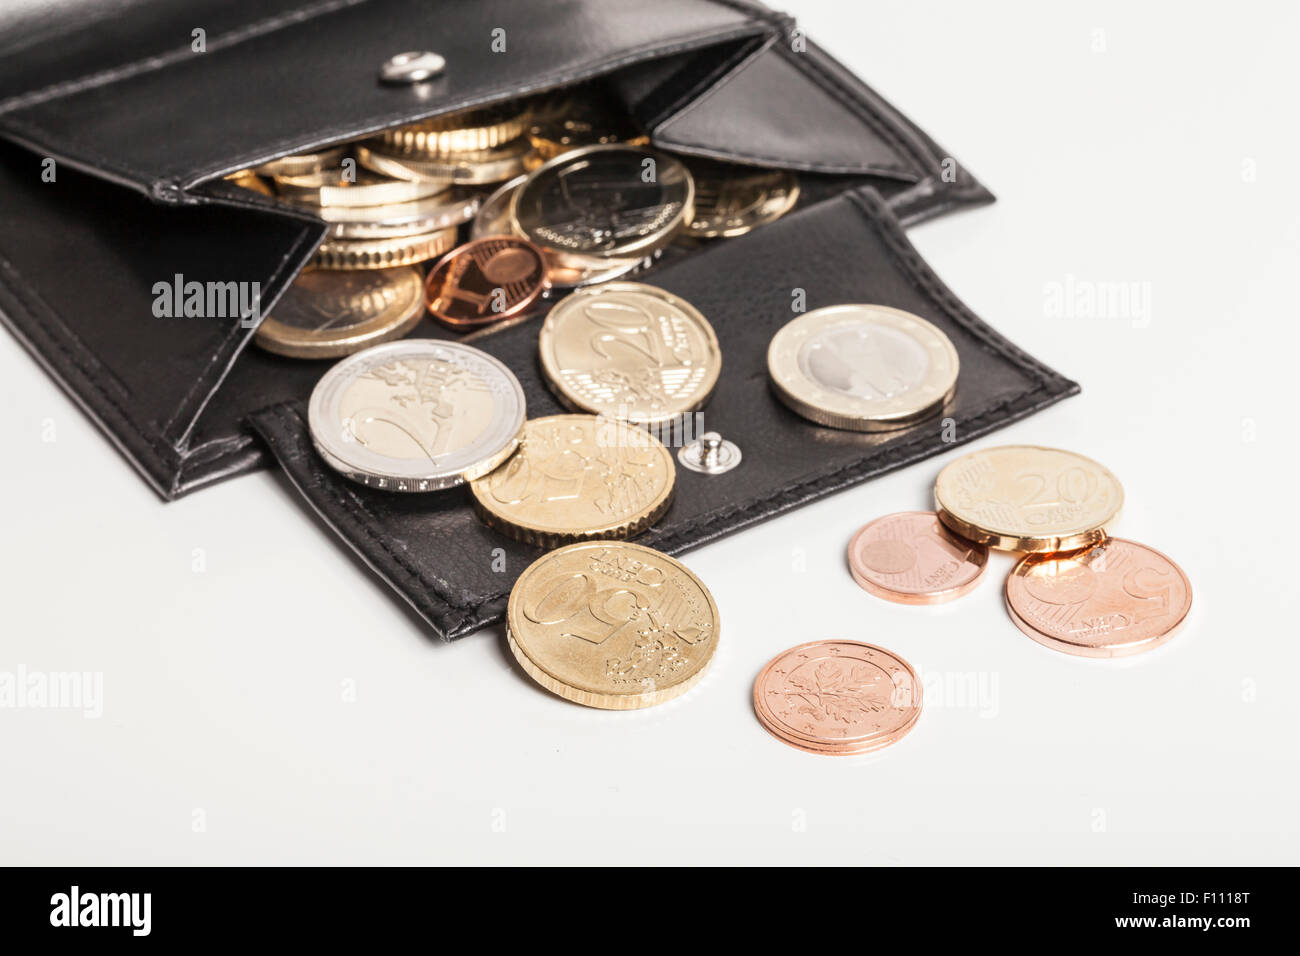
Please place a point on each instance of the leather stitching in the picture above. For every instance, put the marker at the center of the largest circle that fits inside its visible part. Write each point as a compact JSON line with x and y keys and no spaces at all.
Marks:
{"x":874,"y":211}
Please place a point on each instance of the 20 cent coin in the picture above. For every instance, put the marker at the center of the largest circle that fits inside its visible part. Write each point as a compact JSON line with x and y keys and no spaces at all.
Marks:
{"x":1028,"y":498}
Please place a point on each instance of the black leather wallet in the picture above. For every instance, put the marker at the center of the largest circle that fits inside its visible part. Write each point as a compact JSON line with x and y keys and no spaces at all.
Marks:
{"x":437,"y":554}
{"x":119,"y":121}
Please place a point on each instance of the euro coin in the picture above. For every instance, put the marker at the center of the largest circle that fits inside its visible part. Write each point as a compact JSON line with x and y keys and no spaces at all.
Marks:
{"x":383,"y":253}
{"x":485,"y":281}
{"x":862,"y":367}
{"x":326,"y":314}
{"x":612,"y":625}
{"x":629,"y":350}
{"x":838,"y":697}
{"x":416,"y":415}
{"x":463,"y":131}
{"x":301,"y":164}
{"x":330,"y":188}
{"x":1027,"y":498}
{"x":911,"y":558}
{"x":1111,"y":600}
{"x":732,"y":200}
{"x":578,"y":477}
{"x":418,"y":217}
{"x":478,"y":168}
{"x":618,"y":202}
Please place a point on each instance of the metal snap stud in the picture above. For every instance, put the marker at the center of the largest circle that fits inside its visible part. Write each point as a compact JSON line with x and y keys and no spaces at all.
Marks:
{"x":710,"y":454}
{"x":414,"y":66}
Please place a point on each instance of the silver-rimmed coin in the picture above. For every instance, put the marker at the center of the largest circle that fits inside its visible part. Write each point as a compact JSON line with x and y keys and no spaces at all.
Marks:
{"x":608,"y":202}
{"x":416,"y":415}
{"x":862,"y":367}
{"x":399,"y":219}
{"x":493,"y":216}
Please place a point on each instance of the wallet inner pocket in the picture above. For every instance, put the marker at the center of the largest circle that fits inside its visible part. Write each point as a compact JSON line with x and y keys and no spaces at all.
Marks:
{"x":457,"y":572}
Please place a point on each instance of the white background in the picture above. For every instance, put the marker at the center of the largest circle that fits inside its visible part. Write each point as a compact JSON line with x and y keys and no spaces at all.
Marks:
{"x":1168,"y":157}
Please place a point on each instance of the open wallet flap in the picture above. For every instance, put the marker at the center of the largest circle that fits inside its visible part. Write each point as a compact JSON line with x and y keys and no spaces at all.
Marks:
{"x":441,"y":558}
{"x":140,"y":124}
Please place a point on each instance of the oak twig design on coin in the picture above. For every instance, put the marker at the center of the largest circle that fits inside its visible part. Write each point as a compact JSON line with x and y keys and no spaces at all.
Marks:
{"x":837,"y":697}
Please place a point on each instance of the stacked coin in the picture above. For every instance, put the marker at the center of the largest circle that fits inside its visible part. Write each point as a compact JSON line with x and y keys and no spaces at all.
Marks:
{"x":837,"y":697}
{"x":612,"y":625}
{"x":1075,"y":590}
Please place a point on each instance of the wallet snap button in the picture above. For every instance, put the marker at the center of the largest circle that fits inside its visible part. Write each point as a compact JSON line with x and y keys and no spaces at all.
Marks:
{"x":414,"y":66}
{"x":710,"y":454}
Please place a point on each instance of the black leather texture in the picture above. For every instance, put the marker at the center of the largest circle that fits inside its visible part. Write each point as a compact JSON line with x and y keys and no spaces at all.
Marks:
{"x":436,"y":553}
{"x":141,"y":128}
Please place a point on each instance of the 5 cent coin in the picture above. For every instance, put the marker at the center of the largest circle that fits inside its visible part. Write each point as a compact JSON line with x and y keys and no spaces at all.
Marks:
{"x":1111,"y":600}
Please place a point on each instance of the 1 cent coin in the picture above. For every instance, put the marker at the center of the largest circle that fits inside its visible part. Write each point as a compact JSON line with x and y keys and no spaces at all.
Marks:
{"x":484,"y":281}
{"x":1027,"y":498}
{"x":612,"y":625}
{"x":912,"y":558}
{"x":838,"y":697}
{"x":1111,"y":600}
{"x":578,"y":477}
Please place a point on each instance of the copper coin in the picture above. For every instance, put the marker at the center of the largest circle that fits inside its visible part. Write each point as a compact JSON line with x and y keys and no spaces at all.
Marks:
{"x":911,"y":558}
{"x":485,"y":280}
{"x":1110,"y":600}
{"x":838,"y":697}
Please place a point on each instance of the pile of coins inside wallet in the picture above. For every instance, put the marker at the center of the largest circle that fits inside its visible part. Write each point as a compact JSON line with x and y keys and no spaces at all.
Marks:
{"x":562,"y":204}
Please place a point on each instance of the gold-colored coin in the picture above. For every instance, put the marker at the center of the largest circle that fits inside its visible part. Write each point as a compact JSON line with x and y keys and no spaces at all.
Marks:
{"x":558,"y":135}
{"x":383,"y":253}
{"x":1027,"y":498}
{"x":577,"y":478}
{"x":731,"y":200}
{"x":629,"y":350}
{"x":329,"y":188}
{"x":326,"y":314}
{"x":302,"y":164}
{"x":247,"y":179}
{"x":612,"y":625}
{"x":477,"y":168}
{"x":862,"y":367}
{"x":467,"y":130}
